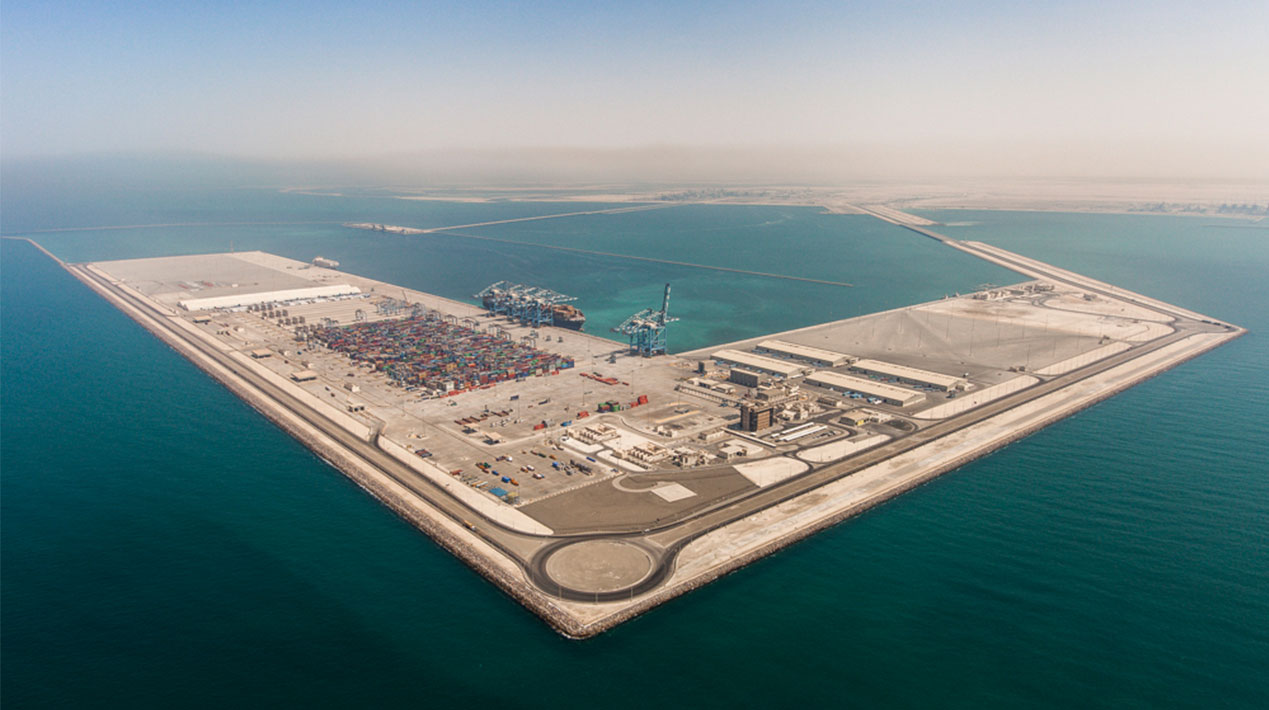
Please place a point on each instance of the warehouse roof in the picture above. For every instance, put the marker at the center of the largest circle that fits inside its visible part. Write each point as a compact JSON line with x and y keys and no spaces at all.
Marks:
{"x":758,"y":362}
{"x":247,"y":299}
{"x":805,"y":352}
{"x":864,"y":386}
{"x":908,"y":373}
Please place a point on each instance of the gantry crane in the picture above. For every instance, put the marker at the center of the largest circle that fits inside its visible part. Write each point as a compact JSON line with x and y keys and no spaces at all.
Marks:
{"x":646,"y":329}
{"x":531,"y":305}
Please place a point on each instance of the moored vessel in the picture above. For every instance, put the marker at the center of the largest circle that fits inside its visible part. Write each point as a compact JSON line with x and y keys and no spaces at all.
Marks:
{"x":566,"y":316}
{"x":531,"y":305}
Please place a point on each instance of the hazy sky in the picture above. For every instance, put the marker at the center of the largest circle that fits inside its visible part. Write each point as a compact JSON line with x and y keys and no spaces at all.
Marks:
{"x":1173,"y":88}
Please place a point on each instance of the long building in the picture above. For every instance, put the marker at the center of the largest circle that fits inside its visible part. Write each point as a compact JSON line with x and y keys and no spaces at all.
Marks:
{"x":816,"y":356}
{"x":250,"y":299}
{"x":759,"y":363}
{"x":889,"y":394}
{"x":910,"y":375}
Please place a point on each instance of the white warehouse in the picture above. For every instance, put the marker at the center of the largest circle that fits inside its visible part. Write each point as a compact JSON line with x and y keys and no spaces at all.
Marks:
{"x":759,"y":363}
{"x":816,"y":356}
{"x":250,"y":299}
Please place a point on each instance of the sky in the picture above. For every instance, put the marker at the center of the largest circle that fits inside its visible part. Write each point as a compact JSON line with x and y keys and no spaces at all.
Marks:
{"x":1158,"y":88}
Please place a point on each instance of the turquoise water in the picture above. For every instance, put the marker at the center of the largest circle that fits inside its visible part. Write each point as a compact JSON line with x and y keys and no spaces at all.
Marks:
{"x":165,"y":546}
{"x":889,"y":266}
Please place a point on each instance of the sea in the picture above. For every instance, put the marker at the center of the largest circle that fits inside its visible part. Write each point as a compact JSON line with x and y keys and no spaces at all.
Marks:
{"x":165,"y":546}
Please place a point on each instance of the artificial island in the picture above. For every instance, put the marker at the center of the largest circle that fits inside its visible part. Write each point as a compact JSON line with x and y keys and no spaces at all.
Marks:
{"x":592,"y":480}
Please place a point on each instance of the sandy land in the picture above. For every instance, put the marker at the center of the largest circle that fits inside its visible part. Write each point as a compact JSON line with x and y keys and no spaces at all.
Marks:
{"x":426,"y":198}
{"x":1232,"y":200}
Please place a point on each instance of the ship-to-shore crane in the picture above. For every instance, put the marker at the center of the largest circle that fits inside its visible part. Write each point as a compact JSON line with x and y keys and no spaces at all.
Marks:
{"x":646,"y":329}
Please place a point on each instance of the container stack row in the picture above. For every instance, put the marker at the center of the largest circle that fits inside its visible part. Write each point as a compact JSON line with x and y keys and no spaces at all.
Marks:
{"x":439,"y":356}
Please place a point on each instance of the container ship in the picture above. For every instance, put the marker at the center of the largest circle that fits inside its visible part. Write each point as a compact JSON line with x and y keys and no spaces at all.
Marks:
{"x":567,"y":316}
{"x":562,"y":314}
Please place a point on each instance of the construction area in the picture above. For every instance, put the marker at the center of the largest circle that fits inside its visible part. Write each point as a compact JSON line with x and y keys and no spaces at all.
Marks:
{"x":524,"y":432}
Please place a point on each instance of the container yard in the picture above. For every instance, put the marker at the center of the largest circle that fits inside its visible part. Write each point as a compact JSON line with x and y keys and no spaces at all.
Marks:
{"x":441,"y":357}
{"x":593,"y":479}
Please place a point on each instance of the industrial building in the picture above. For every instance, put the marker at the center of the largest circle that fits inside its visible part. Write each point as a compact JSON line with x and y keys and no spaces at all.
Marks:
{"x":687,"y":457}
{"x":860,"y":417}
{"x":711,"y":385}
{"x":756,"y":416}
{"x":799,"y":432}
{"x":732,"y":451}
{"x":711,"y":435}
{"x":816,"y":356}
{"x":744,"y":378}
{"x":776,"y":394}
{"x":647,"y":452}
{"x":908,"y":375}
{"x":760,"y":363}
{"x":596,"y":433}
{"x":249,"y":299}
{"x":889,"y":394}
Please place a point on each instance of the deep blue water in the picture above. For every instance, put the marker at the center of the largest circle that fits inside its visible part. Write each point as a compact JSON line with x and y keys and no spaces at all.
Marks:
{"x":165,"y":546}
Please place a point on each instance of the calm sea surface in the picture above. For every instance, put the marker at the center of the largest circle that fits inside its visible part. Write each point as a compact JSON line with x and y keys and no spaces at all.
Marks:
{"x":166,"y":546}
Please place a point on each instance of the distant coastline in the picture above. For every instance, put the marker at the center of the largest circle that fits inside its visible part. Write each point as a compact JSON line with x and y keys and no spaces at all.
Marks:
{"x":1224,"y":200}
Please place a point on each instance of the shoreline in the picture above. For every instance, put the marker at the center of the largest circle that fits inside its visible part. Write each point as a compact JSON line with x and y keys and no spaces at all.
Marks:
{"x":826,"y":207}
{"x":1071,"y":209}
{"x":1083,"y":196}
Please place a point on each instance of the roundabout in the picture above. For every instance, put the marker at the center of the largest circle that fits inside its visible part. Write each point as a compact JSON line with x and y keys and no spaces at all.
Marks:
{"x":598,"y":566}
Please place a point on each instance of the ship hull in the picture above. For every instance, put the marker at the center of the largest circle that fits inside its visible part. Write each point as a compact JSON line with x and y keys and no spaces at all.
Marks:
{"x":564,"y":316}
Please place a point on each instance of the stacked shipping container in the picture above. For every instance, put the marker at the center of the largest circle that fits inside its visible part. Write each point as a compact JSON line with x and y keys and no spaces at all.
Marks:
{"x":430,"y":353}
